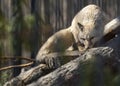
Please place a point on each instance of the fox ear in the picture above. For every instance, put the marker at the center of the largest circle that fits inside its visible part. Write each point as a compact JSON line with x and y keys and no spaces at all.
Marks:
{"x":80,"y":26}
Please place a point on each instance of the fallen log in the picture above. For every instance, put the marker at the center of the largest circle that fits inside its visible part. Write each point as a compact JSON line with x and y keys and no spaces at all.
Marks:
{"x":112,"y":26}
{"x":33,"y":74}
{"x":92,"y":64}
{"x":68,"y":72}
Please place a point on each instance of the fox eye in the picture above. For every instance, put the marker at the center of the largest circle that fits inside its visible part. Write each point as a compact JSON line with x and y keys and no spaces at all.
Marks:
{"x":80,"y":26}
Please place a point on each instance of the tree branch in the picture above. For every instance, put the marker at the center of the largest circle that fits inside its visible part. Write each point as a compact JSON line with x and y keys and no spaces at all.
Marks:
{"x":112,"y":25}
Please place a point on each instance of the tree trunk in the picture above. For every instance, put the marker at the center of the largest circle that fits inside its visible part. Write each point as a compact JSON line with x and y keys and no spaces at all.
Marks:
{"x":16,"y":34}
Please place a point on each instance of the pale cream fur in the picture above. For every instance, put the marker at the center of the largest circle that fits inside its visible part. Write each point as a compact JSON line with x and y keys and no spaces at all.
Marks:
{"x":91,"y":18}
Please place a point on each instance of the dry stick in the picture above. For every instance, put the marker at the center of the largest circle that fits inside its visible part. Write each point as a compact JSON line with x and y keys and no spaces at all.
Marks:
{"x":14,"y":66}
{"x":17,"y":57}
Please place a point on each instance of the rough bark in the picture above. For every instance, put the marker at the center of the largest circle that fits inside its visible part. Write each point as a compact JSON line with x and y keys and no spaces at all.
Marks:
{"x":38,"y":71}
{"x":71,"y":73}
{"x":75,"y":73}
